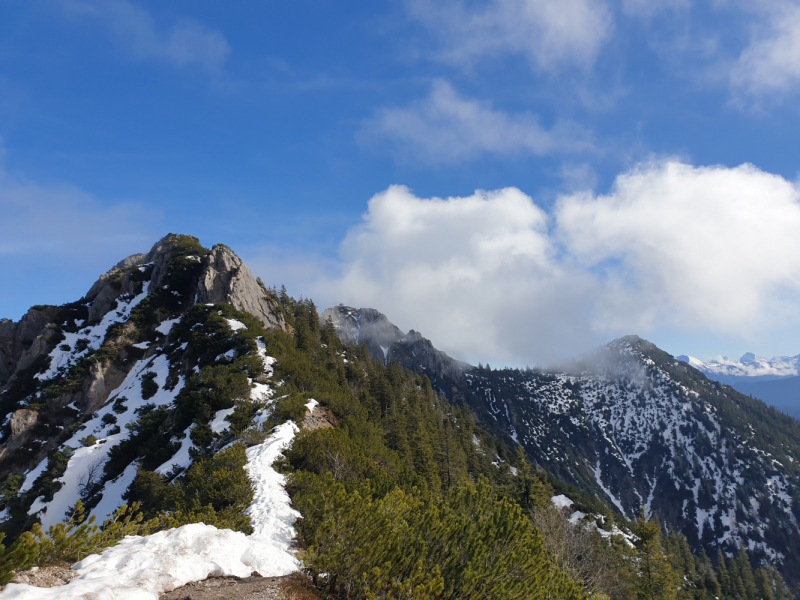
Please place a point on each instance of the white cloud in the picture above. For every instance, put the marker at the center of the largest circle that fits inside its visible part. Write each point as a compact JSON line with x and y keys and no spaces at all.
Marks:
{"x":707,"y":247}
{"x":445,"y":127}
{"x":770,"y":64}
{"x":185,"y":43}
{"x":670,"y":247}
{"x":549,"y":34}
{"x":477,"y":274}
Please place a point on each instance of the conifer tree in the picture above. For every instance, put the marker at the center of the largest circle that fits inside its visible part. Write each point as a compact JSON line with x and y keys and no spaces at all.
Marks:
{"x":746,"y":573}
{"x":531,"y":489}
{"x":656,"y":579}
{"x":723,"y":576}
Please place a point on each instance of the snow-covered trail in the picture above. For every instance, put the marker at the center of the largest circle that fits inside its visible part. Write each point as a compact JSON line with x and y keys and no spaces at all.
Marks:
{"x":139,"y":568}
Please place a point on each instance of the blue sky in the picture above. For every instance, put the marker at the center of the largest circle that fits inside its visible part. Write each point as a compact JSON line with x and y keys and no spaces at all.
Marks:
{"x":609,"y":135}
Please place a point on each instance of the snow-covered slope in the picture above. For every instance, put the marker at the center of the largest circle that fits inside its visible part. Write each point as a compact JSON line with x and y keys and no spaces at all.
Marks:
{"x":74,"y":409}
{"x":637,"y":427}
{"x":139,"y":568}
{"x":140,"y":376}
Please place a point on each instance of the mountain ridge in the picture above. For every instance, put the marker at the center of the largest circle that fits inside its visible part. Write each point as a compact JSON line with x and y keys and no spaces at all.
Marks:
{"x":633,"y":425}
{"x":126,"y":393}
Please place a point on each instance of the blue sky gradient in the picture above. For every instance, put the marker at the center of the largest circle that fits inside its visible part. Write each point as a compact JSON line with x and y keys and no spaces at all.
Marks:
{"x":270,"y":126}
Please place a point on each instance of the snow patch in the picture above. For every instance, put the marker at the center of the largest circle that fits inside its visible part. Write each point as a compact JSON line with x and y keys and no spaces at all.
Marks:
{"x":139,"y":568}
{"x":166,"y":326}
{"x":561,"y":501}
{"x":67,"y":353}
{"x":236,"y":325}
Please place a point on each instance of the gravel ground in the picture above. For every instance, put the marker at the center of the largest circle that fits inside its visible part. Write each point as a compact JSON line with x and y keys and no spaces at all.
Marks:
{"x":50,"y":576}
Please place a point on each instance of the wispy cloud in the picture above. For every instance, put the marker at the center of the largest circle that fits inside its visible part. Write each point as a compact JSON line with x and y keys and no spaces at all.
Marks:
{"x":68,"y":224}
{"x":549,"y":34}
{"x":769,"y":66}
{"x":186,"y":42}
{"x":446,"y":127}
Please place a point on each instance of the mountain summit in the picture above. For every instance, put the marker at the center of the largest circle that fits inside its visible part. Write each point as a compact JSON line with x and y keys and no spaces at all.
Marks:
{"x":387,"y":344}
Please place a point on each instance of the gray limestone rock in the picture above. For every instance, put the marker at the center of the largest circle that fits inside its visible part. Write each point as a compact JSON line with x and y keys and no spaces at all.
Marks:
{"x":23,"y":342}
{"x":22,"y":420}
{"x":227,"y":279}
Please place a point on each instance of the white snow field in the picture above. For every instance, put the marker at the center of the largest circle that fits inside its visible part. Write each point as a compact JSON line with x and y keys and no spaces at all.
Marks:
{"x":139,"y":568}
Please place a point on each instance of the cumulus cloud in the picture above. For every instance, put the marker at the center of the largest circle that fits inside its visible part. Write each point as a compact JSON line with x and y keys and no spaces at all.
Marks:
{"x":476,"y":274}
{"x":770,"y":64}
{"x":548,"y":34}
{"x":187,"y":42}
{"x":446,"y":127}
{"x":709,"y":249}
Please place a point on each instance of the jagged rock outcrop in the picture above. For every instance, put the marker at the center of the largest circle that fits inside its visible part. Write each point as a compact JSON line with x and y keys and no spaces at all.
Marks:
{"x":227,"y":279}
{"x":387,"y":343}
{"x":21,"y":343}
{"x":21,"y":423}
{"x":105,"y":292}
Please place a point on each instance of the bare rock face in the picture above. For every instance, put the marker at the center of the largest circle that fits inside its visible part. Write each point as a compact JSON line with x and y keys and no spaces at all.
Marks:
{"x":387,"y":343}
{"x":103,"y":378}
{"x":23,"y":342}
{"x":227,"y":279}
{"x":22,"y":420}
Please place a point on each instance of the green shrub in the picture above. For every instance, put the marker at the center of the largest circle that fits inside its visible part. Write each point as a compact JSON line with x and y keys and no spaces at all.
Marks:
{"x":89,"y":440}
{"x":21,"y":555}
{"x":149,"y":385}
{"x":292,"y":408}
{"x":70,"y":541}
{"x":214,"y":490}
{"x":472,"y":545}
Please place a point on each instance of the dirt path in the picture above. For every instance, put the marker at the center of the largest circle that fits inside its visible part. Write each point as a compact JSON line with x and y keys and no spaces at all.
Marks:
{"x":288,"y":587}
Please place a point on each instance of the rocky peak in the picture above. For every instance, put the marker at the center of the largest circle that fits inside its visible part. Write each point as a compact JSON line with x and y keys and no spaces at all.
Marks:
{"x":110,"y":286}
{"x":224,"y":278}
{"x":386,"y":343}
{"x":216,"y":275}
{"x":363,"y":326}
{"x":227,"y":279}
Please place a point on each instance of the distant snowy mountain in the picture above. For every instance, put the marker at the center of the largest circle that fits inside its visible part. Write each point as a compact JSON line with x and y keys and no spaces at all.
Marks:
{"x":749,"y":366}
{"x":776,"y":380}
